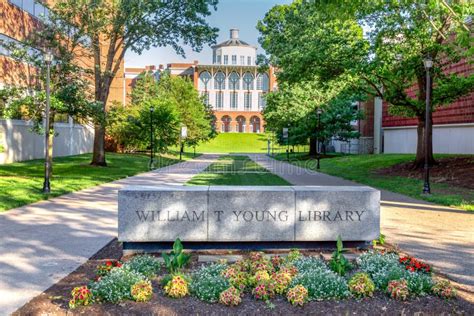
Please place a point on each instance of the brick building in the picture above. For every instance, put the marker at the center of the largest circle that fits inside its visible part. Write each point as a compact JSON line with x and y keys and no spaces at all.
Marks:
{"x":453,"y":124}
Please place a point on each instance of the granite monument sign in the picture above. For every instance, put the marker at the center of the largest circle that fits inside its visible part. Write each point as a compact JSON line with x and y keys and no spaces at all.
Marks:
{"x":230,"y":214}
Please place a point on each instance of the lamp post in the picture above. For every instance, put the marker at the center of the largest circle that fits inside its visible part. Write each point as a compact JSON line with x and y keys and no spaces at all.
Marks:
{"x":182,"y":136}
{"x":152,"y":109}
{"x":428,"y":62}
{"x":48,"y":58}
{"x":318,"y":154}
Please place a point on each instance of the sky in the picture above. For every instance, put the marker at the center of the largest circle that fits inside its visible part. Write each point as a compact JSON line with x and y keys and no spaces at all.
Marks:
{"x":241,"y":14}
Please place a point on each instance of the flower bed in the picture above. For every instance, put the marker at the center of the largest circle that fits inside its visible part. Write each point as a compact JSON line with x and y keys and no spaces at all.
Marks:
{"x":296,"y":278}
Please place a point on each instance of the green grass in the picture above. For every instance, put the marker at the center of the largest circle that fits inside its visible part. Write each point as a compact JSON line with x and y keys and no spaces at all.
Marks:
{"x":21,"y":183}
{"x":362,"y":169}
{"x":229,"y":143}
{"x":236,"y":170}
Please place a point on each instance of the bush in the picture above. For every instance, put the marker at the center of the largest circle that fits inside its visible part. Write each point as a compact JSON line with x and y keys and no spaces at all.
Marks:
{"x":398,"y":289}
{"x":105,"y":268}
{"x":322,"y":283}
{"x":142,"y":291}
{"x":144,"y":264}
{"x":281,"y":280}
{"x":304,"y":264}
{"x":264,"y":291}
{"x":381,"y":268}
{"x":297,"y":295}
{"x":208,"y":283}
{"x":259,"y":277}
{"x":116,"y":285}
{"x":293,"y":255}
{"x":80,"y":296}
{"x":361,"y":285}
{"x":230,"y":297}
{"x":419,"y":283}
{"x":444,"y":289}
{"x":177,"y":287}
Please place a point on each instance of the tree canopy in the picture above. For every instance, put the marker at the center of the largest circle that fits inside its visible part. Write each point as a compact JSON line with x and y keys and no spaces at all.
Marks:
{"x":376,"y":47}
{"x":111,"y":28}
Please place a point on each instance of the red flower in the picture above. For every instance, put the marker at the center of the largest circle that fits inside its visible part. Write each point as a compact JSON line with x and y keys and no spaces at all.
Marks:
{"x":118,"y":265}
{"x":108,"y":263}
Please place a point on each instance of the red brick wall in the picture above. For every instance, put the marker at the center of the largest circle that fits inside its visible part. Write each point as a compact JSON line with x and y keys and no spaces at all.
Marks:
{"x":460,"y":111}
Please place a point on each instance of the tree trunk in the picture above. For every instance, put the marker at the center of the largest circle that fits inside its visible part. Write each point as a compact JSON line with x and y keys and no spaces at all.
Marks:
{"x":98,"y":156}
{"x":312,"y":146}
{"x":420,"y":146}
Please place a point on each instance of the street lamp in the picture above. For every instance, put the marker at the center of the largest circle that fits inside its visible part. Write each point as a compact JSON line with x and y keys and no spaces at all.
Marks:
{"x":428,"y":62}
{"x":152,"y":109}
{"x":48,"y":58}
{"x":318,"y":154}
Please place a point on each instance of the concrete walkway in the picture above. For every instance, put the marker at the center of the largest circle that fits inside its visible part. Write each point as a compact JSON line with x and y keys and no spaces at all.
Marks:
{"x":442,"y":236}
{"x":43,"y":242}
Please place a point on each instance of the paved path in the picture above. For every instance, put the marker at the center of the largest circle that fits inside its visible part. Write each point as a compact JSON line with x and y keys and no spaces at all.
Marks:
{"x":43,"y":242}
{"x":441,"y":235}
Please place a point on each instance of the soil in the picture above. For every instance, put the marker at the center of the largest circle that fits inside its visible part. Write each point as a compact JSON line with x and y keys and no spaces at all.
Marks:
{"x":455,"y":171}
{"x":54,"y":301}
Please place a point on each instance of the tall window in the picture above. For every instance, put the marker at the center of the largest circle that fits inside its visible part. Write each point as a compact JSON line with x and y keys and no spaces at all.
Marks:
{"x":32,"y":7}
{"x":219,"y":81}
{"x":261,"y":100}
{"x":226,"y":59}
{"x":234,"y":59}
{"x":242,"y":60}
{"x":248,"y":81}
{"x":204,"y":79}
{"x":248,"y":100}
{"x":219,"y":60}
{"x":249,"y":60}
{"x":219,"y":100}
{"x":263,"y":83}
{"x":233,"y":100}
{"x":234,"y":80}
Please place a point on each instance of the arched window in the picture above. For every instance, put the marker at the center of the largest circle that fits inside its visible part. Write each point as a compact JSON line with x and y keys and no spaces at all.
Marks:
{"x":204,"y":79}
{"x":248,"y":81}
{"x":263,"y":83}
{"x":240,"y":124}
{"x":234,"y":80}
{"x":219,"y":81}
{"x":255,"y":124}
{"x":226,"y":123}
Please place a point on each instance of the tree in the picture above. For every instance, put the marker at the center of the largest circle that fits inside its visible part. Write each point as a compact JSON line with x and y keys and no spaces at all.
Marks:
{"x":68,"y":83}
{"x":308,"y":39}
{"x":117,"y":26}
{"x":176,"y":103}
{"x":295,"y":106}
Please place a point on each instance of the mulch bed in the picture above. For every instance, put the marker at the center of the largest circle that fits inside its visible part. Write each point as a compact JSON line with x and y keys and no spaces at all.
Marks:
{"x":54,"y":301}
{"x":456,"y":171}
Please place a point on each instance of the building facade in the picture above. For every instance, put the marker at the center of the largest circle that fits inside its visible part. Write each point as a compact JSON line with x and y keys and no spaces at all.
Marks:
{"x":231,"y":85}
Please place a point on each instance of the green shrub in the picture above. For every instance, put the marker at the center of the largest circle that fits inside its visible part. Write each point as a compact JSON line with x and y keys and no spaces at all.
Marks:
{"x":419,"y":284}
{"x":116,"y":285}
{"x":338,"y":262}
{"x":322,"y":283}
{"x":144,"y":264}
{"x":361,"y":285}
{"x":176,"y":259}
{"x":208,"y":283}
{"x":381,"y":268}
{"x":304,"y":264}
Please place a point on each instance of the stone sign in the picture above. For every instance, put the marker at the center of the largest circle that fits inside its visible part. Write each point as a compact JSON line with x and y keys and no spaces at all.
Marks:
{"x":248,"y":213}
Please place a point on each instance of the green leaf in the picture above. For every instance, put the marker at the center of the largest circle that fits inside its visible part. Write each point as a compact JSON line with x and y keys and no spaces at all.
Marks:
{"x":177,"y":246}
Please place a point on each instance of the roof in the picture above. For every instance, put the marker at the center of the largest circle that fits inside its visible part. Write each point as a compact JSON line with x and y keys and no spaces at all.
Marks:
{"x":232,"y":42}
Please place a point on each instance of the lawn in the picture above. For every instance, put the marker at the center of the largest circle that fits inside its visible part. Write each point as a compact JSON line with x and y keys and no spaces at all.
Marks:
{"x":236,"y":170}
{"x":21,"y":183}
{"x":362,"y":169}
{"x":229,"y":143}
